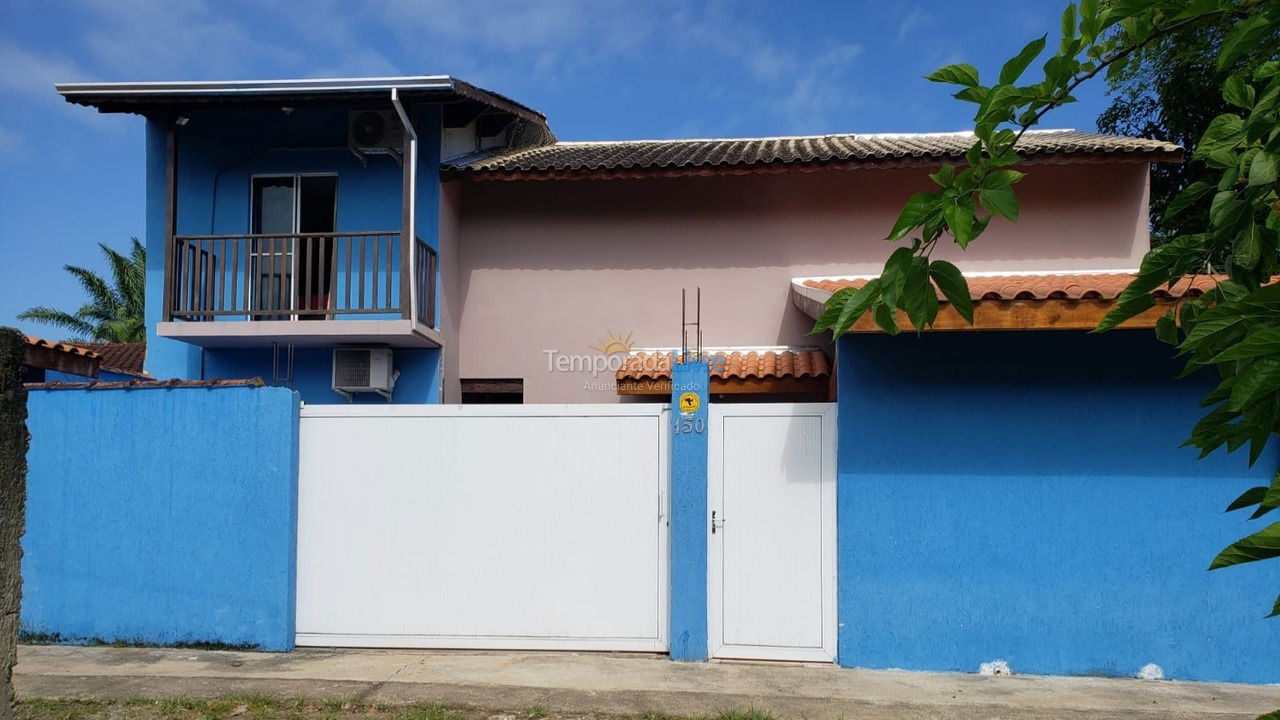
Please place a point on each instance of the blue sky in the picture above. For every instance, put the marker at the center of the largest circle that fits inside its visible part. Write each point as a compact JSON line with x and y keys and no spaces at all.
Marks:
{"x":599,"y":69}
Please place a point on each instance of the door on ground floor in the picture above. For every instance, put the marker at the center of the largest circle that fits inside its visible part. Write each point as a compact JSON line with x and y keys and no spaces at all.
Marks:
{"x":512,"y":527}
{"x":771,"y":562}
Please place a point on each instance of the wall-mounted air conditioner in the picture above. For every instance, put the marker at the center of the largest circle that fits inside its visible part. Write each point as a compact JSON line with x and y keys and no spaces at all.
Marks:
{"x":375,"y":132}
{"x":363,"y":370}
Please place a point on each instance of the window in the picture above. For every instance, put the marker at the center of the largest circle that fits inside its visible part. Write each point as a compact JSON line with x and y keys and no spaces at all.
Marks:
{"x":505,"y":391}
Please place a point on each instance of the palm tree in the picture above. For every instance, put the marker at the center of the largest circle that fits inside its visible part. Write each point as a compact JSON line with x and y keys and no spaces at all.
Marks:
{"x":114,"y":312}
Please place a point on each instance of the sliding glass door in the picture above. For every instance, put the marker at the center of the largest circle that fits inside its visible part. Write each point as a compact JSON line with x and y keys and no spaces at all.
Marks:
{"x":292,"y":268}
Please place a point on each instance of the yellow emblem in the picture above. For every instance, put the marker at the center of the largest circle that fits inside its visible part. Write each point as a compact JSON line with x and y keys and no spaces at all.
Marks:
{"x":689,"y":403}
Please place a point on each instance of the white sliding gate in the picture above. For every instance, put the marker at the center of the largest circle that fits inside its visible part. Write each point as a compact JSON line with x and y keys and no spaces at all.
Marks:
{"x":522,"y":526}
{"x":771,"y":560}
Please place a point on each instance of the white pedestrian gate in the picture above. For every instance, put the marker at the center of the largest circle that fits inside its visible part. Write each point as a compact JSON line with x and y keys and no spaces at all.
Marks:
{"x":771,"y":562}
{"x":523,"y":527}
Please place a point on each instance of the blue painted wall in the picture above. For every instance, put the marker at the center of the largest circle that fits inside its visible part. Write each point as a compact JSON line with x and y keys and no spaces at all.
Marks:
{"x":219,"y":151}
{"x":1022,"y":496}
{"x":162,"y":516}
{"x":689,"y":520}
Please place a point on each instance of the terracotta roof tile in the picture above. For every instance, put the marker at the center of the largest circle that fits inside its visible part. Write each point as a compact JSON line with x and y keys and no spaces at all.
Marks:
{"x":555,"y":159}
{"x":60,"y":347}
{"x":123,"y":358}
{"x":144,"y":384}
{"x":1080,"y":286}
{"x":799,"y":363}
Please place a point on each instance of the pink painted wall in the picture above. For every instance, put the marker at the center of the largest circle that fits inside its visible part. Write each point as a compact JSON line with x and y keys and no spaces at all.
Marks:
{"x":556,"y":265}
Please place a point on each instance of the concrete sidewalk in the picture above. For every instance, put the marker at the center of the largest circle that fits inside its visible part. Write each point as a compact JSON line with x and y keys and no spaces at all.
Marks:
{"x":617,"y":684}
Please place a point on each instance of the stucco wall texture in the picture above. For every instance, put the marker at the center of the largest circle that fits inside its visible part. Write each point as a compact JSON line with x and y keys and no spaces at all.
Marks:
{"x":1023,"y":497}
{"x":162,"y":516}
{"x":557,"y":265}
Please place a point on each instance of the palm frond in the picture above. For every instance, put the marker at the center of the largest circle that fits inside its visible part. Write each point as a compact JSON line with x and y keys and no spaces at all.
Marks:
{"x":58,"y":318}
{"x":115,"y":311}
{"x":99,"y":291}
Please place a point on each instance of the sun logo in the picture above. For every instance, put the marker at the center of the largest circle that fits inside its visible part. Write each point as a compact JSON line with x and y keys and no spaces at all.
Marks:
{"x":612,"y":344}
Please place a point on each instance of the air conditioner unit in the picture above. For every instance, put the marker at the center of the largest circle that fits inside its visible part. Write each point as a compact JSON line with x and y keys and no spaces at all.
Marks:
{"x":363,"y":370}
{"x":374,"y":132}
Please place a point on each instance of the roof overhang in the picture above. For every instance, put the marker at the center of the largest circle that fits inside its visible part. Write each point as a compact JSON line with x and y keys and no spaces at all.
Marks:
{"x":1040,"y":301}
{"x":141,"y":97}
{"x":317,"y":333}
{"x":62,"y":357}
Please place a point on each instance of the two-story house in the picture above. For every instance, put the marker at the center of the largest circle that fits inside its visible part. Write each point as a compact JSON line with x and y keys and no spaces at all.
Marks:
{"x":1008,"y":490}
{"x":446,"y":224}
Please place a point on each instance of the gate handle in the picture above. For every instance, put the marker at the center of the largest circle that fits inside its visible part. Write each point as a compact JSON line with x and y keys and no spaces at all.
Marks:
{"x":715,"y":524}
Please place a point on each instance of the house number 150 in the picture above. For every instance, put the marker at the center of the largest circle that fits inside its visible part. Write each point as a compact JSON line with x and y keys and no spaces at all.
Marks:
{"x":689,"y":425}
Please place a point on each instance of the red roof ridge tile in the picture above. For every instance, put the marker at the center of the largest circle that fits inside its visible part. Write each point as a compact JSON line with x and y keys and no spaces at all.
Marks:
{"x":1080,"y":285}
{"x":61,"y":347}
{"x":732,"y":364}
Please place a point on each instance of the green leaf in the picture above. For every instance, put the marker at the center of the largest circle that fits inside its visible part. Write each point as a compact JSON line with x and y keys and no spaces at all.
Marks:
{"x":1258,"y":379}
{"x":955,"y":74}
{"x":1124,"y":311}
{"x":1266,"y":70}
{"x":832,"y":309}
{"x":1017,"y":65}
{"x":945,"y":175}
{"x":1069,"y":22}
{"x":953,"y":286}
{"x":973,"y":155}
{"x":1227,"y":211}
{"x":1207,"y":327}
{"x":1248,"y":498}
{"x":1167,"y":329}
{"x":1225,"y":132}
{"x":1237,"y":92}
{"x":1248,"y":248}
{"x":1263,"y":341}
{"x":1189,"y":196}
{"x":1195,"y":8}
{"x":1258,"y":546}
{"x":959,"y":217}
{"x":919,"y":299}
{"x":1270,"y":499}
{"x":1275,"y":610}
{"x":886,"y":320}
{"x":1001,"y":178}
{"x":1000,"y":201}
{"x":1242,"y":38}
{"x":856,"y":305}
{"x":1262,"y":171}
{"x":914,"y":213}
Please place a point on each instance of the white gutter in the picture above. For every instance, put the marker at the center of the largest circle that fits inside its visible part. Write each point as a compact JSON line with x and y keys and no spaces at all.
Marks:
{"x":235,"y":87}
{"x":411,"y":222}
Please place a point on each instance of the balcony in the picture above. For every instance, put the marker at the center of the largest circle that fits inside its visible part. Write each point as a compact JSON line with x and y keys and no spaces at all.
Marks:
{"x":300,"y":289}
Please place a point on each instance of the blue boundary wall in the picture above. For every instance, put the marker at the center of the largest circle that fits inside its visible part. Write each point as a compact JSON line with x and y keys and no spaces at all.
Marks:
{"x":1022,"y":496}
{"x":162,"y":516}
{"x":688,"y":530}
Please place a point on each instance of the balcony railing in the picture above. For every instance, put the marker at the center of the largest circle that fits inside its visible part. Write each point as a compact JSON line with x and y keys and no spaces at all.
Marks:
{"x":306,"y":276}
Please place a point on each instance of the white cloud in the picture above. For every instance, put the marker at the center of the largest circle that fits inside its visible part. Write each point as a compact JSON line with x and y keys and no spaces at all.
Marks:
{"x":913,"y":20}
{"x":175,"y":39}
{"x":28,"y":72}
